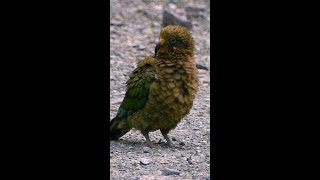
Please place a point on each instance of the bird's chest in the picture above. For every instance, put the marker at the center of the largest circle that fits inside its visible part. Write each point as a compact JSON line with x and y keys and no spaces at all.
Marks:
{"x":173,"y":91}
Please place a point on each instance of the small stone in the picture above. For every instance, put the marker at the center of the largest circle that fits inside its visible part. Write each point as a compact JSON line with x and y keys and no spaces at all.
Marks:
{"x":144,"y":161}
{"x":168,"y":172}
{"x":182,"y":144}
{"x":194,"y":11}
{"x":156,"y":24}
{"x":189,"y":159}
{"x":198,"y":151}
{"x":116,"y":23}
{"x":158,"y":7}
{"x":171,"y":18}
{"x":172,"y":6}
{"x":199,"y":66}
{"x":147,"y":31}
{"x":163,"y":161}
{"x":146,"y":149}
{"x":195,"y":8}
{"x":135,"y":45}
{"x":141,"y":47}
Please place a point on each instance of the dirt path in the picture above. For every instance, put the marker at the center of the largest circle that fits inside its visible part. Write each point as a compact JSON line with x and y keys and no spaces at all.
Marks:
{"x":135,"y":27}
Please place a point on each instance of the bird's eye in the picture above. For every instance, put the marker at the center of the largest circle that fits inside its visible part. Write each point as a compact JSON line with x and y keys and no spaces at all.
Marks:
{"x":173,"y":41}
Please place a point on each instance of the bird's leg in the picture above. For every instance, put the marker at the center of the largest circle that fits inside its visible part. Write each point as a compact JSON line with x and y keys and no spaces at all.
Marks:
{"x":166,"y":136}
{"x":149,"y":143}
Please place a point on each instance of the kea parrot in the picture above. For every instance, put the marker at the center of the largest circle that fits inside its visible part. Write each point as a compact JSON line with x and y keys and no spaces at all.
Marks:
{"x":161,"y":89}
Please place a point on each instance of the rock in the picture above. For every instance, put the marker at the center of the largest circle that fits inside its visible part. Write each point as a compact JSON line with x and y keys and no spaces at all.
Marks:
{"x":189,"y":159}
{"x":116,"y":23}
{"x":152,"y":14}
{"x":199,"y":66}
{"x":141,"y":47}
{"x":182,"y":144}
{"x":147,"y":31}
{"x":172,"y":6}
{"x":195,"y":8}
{"x":156,"y":24}
{"x":194,"y":11}
{"x":171,"y":18}
{"x":136,"y":44}
{"x":168,"y":172}
{"x":144,"y":161}
{"x":152,"y":177}
{"x":146,"y":149}
{"x":158,"y":7}
{"x":163,"y":161}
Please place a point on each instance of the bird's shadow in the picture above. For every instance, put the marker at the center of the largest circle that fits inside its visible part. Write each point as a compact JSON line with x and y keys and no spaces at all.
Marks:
{"x":141,"y":144}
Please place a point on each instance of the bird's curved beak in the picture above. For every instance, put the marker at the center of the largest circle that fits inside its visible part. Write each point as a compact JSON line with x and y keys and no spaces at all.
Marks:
{"x":160,"y":43}
{"x":156,"y":49}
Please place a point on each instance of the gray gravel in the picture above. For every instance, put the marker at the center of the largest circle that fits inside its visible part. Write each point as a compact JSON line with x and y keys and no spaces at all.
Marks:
{"x":135,"y":27}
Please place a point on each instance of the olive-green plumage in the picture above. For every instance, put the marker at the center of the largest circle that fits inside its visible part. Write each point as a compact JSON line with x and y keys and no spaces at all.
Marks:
{"x":161,"y":90}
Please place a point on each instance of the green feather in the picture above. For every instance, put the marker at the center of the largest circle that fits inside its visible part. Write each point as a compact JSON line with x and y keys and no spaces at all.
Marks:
{"x":137,"y":88}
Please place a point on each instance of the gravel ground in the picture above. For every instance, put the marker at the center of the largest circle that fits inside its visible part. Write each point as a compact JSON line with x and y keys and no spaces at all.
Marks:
{"x":134,"y":32}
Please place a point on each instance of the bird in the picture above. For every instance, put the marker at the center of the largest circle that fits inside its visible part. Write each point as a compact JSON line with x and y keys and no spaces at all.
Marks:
{"x":161,"y":89}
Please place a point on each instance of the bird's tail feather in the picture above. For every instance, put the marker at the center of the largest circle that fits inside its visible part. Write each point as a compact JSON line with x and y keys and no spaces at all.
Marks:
{"x":119,"y":127}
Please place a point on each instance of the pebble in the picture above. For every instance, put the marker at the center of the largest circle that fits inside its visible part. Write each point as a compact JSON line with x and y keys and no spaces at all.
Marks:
{"x":144,"y":161}
{"x":116,"y":23}
{"x":189,"y":159}
{"x":146,"y":149}
{"x":172,"y":6}
{"x":168,"y":172}
{"x":156,"y":24}
{"x":141,"y":47}
{"x":172,"y":18}
{"x":147,"y":31}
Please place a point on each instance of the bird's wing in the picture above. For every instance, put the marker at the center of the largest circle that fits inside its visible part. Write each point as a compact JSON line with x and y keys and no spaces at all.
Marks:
{"x":137,"y":88}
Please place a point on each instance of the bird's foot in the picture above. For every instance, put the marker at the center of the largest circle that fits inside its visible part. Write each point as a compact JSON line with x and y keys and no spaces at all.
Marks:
{"x":170,"y":144}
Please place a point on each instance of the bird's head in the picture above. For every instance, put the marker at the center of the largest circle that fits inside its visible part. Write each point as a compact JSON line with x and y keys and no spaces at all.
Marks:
{"x":174,"y":40}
